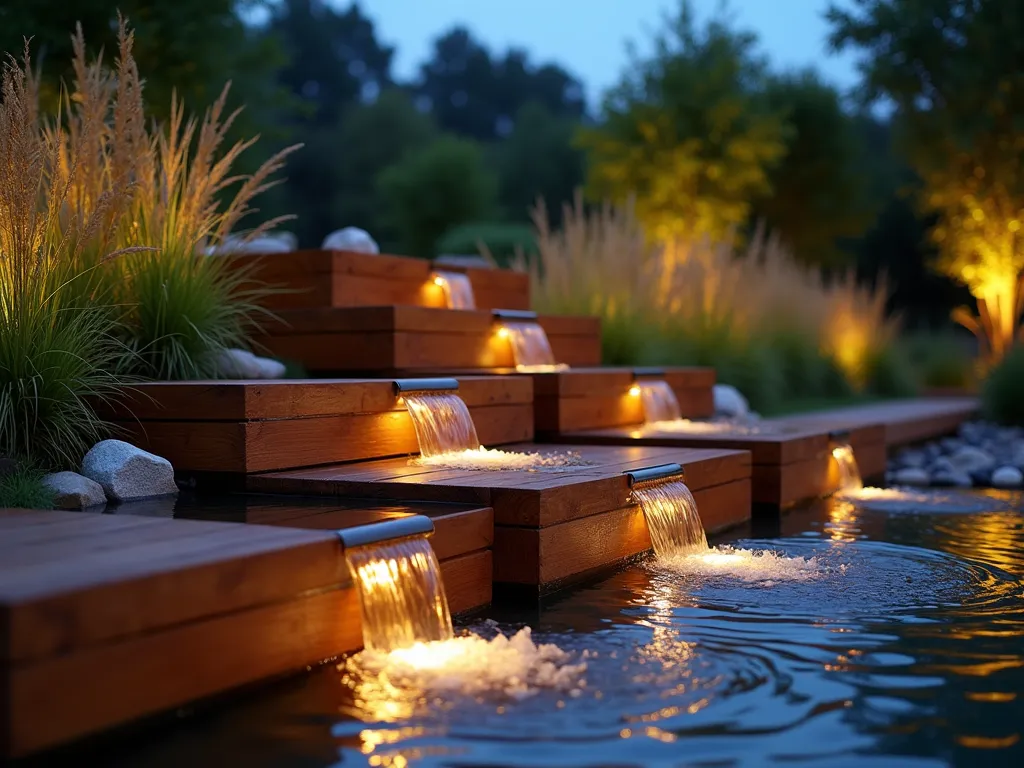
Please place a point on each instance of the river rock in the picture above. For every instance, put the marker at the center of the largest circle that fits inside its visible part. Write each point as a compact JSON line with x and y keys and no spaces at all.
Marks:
{"x":729,"y":402}
{"x":126,"y":472}
{"x":968,"y":459}
{"x":270,"y":368}
{"x":237,"y":364}
{"x":912,"y":476}
{"x":73,"y":491}
{"x":951,"y":480}
{"x":911,"y":458}
{"x":1007,"y":477}
{"x":350,"y":239}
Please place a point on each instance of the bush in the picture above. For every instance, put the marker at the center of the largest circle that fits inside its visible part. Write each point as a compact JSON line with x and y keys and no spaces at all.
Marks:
{"x":941,"y":359}
{"x":432,"y":190}
{"x":1001,"y":394}
{"x":501,"y":242}
{"x":58,"y":348}
{"x":24,"y":489}
{"x":890,"y":374}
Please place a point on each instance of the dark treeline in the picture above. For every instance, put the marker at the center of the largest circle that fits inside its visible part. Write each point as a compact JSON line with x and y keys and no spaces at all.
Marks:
{"x":462,"y":152}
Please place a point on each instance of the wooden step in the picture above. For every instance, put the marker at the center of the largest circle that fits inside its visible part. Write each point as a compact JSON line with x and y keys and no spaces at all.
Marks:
{"x":318,"y":278}
{"x":254,"y":426}
{"x":788,"y":467}
{"x":109,"y":618}
{"x":905,"y":421}
{"x":384,"y":339}
{"x":551,"y":528}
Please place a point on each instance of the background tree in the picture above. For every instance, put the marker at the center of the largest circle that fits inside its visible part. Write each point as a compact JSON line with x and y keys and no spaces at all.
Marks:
{"x":819,"y":190}
{"x":434,"y":189}
{"x":689,"y":131}
{"x":952,"y":70}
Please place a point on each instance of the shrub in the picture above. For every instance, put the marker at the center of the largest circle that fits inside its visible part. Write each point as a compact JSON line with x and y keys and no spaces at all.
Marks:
{"x":1001,"y":398}
{"x":890,"y":374}
{"x":940,"y":359}
{"x":24,"y":489}
{"x":58,"y":348}
{"x":180,"y":307}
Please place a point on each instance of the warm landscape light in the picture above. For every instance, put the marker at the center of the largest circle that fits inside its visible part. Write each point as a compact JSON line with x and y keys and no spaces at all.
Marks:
{"x":503,"y":332}
{"x":635,"y":390}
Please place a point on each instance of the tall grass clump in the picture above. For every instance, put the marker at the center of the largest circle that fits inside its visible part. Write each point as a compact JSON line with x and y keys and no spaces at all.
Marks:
{"x":181,"y":308}
{"x":1001,"y":399}
{"x":59,"y":346}
{"x":770,"y":327}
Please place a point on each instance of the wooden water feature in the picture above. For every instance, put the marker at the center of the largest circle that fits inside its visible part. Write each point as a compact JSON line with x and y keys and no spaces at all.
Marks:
{"x":318,"y":278}
{"x":106,"y":619}
{"x":790,"y":462}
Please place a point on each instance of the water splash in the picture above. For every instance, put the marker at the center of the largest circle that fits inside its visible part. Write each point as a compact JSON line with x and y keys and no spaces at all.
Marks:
{"x":443,"y":423}
{"x":659,"y":401}
{"x":531,"y":350}
{"x":672,"y":519}
{"x":458,"y":291}
{"x":764,"y":567}
{"x":849,"y":472}
{"x":496,"y":459}
{"x":401,"y":593}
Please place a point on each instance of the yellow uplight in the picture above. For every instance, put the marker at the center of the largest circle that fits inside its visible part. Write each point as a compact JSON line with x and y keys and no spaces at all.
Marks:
{"x":502,"y":332}
{"x":635,"y":390}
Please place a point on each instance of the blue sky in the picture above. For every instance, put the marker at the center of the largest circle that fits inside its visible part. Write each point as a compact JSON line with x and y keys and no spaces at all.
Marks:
{"x":588,"y":37}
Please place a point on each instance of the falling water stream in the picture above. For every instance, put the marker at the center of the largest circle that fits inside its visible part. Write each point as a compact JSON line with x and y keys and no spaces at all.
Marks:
{"x":443,"y":423}
{"x":401,"y":594}
{"x":849,"y":472}
{"x":531,"y":349}
{"x":672,"y":519}
{"x":458,"y":291}
{"x":659,"y":401}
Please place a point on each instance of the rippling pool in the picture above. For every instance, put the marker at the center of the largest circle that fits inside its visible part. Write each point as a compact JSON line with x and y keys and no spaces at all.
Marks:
{"x":867,"y":638}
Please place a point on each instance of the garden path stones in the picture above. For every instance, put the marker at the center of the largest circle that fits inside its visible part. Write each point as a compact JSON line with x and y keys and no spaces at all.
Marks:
{"x":127,"y":472}
{"x":73,"y":491}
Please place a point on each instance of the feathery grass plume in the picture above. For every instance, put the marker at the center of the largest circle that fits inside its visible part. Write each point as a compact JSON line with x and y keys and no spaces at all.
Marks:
{"x":180,"y":308}
{"x":58,"y":348}
{"x":763,"y":320}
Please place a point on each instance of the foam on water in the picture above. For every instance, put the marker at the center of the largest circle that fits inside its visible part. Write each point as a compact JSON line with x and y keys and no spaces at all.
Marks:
{"x":755,"y":566}
{"x":391,"y":685}
{"x":496,"y":459}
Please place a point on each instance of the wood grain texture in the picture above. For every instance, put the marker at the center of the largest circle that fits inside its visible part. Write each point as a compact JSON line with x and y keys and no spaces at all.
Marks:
{"x":543,"y":556}
{"x":468,"y":581}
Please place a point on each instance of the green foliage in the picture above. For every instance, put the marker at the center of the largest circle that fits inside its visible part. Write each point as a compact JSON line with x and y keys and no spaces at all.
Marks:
{"x":24,"y":489}
{"x":940,"y":359}
{"x":819,"y":189}
{"x":1001,"y":399}
{"x":688,"y":132}
{"x":952,"y":70}
{"x":889,"y":373}
{"x":434,"y":189}
{"x":538,"y":161}
{"x":501,"y":241}
{"x":803,"y":368}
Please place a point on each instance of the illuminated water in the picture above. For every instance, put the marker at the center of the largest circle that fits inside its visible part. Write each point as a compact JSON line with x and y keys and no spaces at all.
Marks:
{"x":849,"y":472}
{"x":442,"y":421}
{"x":660,"y":402}
{"x":401,"y":594}
{"x":531,"y":350}
{"x":458,"y":291}
{"x":672,"y":519}
{"x":867,"y":639}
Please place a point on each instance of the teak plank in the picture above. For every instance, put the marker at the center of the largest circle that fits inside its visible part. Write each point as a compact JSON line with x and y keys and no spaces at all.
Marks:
{"x":468,"y":580}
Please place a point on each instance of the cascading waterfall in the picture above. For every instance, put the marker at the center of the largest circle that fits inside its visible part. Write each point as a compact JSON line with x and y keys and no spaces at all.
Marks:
{"x":670,"y":511}
{"x":659,"y":401}
{"x":458,"y":291}
{"x":401,"y":593}
{"x":442,"y":421}
{"x":849,"y":472}
{"x":531,"y":349}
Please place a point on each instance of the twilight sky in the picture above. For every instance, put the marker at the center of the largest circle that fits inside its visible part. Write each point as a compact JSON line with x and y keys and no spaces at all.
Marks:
{"x":588,"y":37}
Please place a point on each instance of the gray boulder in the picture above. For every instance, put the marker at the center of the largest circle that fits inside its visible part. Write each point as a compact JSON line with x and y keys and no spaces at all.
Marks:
{"x":127,"y":472}
{"x":729,"y":402}
{"x":72,"y":491}
{"x":912,"y":476}
{"x":970,"y":459}
{"x":350,"y":239}
{"x":951,"y":480}
{"x":1007,"y":477}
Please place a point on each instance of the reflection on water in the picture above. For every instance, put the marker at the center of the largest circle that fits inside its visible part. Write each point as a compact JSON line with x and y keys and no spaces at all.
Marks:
{"x":906,"y":648}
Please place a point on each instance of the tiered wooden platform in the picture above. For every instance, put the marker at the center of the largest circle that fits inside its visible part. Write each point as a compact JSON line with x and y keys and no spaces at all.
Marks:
{"x":316,"y":278}
{"x":904,"y":421}
{"x":385,"y":340}
{"x":591,"y":398}
{"x":788,"y":466}
{"x":255,"y":426}
{"x":551,"y":527}
{"x":105,"y":619}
